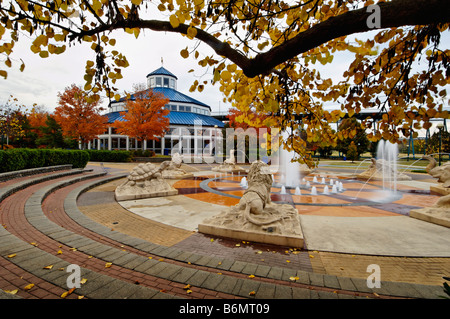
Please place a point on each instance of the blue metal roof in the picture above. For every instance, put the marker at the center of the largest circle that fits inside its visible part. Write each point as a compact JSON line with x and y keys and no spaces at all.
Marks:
{"x":172,"y":95}
{"x":178,"y":118}
{"x":162,"y":71}
{"x":175,"y":96}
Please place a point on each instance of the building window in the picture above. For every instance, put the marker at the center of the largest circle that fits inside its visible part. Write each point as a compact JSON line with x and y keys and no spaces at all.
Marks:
{"x":166,"y":82}
{"x":151,"y":82}
{"x":187,"y":109}
{"x":158,"y":81}
{"x":172,"y":83}
{"x":181,"y":108}
{"x":173,"y":107}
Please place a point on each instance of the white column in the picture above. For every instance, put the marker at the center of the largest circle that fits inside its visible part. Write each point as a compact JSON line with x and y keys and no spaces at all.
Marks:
{"x":128,"y":143}
{"x":144,"y":145}
{"x":109,"y":138}
{"x":163,"y":143}
{"x":98,"y":143}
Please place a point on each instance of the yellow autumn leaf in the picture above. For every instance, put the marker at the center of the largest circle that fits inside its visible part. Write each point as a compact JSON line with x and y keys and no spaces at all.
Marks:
{"x":11,"y":292}
{"x":28,"y":287}
{"x":251,"y":276}
{"x":107,"y":265}
{"x":65,"y":294}
{"x":311,"y":256}
{"x":252,"y":293}
{"x":48,"y":267}
{"x":225,"y":75}
{"x":174,"y":22}
{"x":292,"y":278}
{"x":188,"y":286}
{"x":188,"y":291}
{"x":80,"y":297}
{"x":288,"y":261}
{"x":191,"y":33}
{"x":184,"y":53}
{"x":12,"y":255}
{"x":59,"y":252}
{"x":83,"y":281}
{"x":212,"y":239}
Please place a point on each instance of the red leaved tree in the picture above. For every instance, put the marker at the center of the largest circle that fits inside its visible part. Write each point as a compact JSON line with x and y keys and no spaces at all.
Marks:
{"x":79,"y":116}
{"x":145,"y":116}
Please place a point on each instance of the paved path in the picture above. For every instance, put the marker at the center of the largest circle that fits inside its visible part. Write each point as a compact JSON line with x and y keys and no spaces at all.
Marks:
{"x":44,"y":232}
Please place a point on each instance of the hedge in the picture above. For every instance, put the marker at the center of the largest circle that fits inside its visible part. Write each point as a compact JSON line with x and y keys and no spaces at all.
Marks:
{"x":23,"y":158}
{"x":109,"y":156}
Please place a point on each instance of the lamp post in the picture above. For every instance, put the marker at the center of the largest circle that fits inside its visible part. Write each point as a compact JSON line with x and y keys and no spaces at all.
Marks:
{"x":440,"y":127}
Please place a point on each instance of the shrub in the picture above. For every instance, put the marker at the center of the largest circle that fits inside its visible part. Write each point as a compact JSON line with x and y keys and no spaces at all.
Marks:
{"x":23,"y":158}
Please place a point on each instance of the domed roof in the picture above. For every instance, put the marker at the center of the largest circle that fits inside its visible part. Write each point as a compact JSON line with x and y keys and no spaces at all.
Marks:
{"x":162,"y":71}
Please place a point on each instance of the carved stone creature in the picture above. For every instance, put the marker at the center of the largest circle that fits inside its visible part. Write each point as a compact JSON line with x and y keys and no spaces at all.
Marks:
{"x":257,"y":195}
{"x":439,"y":213}
{"x":231,"y":160}
{"x":256,"y":218}
{"x":172,"y":169}
{"x":145,"y":180}
{"x":378,"y":167}
{"x":229,"y":165}
{"x":442,"y":173}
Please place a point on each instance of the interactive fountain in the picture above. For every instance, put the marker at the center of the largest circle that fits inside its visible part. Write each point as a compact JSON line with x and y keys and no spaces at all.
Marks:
{"x":384,"y":169}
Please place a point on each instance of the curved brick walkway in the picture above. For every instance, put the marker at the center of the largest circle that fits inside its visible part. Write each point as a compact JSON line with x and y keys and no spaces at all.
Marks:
{"x":44,"y":231}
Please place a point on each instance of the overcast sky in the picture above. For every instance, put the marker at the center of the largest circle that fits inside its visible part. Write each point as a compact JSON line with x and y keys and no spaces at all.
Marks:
{"x":42,"y":79}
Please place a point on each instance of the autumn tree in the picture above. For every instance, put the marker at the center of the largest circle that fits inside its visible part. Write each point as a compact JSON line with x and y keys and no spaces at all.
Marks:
{"x":355,"y":133}
{"x":267,"y":52}
{"x":79,"y":116}
{"x":145,"y":116}
{"x":10,"y":121}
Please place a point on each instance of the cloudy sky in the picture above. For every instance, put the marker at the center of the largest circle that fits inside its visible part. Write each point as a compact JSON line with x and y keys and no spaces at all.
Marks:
{"x":42,"y":79}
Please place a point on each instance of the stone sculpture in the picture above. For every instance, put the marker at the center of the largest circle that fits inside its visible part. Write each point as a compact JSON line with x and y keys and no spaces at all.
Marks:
{"x":381,"y":169}
{"x":172,"y":169}
{"x":439,"y":213}
{"x":144,"y":181}
{"x":442,"y":173}
{"x":256,"y":217}
{"x":229,"y":165}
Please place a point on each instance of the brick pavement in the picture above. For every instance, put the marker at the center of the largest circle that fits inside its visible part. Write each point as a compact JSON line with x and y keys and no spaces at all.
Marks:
{"x":33,"y":234}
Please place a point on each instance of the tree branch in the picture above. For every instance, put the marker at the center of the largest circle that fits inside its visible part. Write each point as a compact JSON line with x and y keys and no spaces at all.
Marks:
{"x":396,"y":13}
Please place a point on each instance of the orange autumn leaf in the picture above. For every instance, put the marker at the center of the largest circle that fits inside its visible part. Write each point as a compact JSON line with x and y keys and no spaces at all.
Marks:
{"x":78,"y":115}
{"x":145,"y":116}
{"x":66,"y":293}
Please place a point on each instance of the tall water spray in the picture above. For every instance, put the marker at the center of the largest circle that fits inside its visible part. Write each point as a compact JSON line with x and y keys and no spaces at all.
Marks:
{"x":387,"y":154}
{"x":290,"y":171}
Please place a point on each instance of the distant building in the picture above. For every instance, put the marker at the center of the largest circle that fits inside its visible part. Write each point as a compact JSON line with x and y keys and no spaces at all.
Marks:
{"x":191,"y":124}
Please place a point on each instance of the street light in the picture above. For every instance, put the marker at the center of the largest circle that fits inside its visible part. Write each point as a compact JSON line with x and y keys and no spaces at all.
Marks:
{"x":440,"y":127}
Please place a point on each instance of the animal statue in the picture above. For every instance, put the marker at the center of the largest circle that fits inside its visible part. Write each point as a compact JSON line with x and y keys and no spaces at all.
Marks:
{"x":442,"y":173}
{"x":143,"y":172}
{"x":257,"y":195}
{"x":174,"y":164}
{"x":231,"y":160}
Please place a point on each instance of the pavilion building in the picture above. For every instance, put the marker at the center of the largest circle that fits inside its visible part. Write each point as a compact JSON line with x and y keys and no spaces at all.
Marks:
{"x":192,"y":129}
